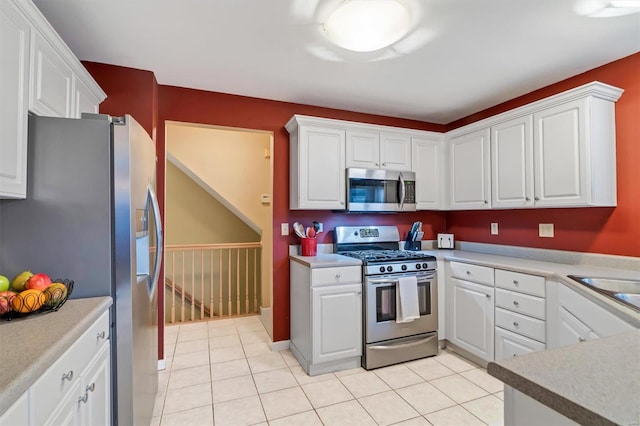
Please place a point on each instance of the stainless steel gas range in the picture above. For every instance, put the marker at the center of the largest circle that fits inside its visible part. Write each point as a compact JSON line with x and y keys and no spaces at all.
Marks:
{"x":387,"y":340}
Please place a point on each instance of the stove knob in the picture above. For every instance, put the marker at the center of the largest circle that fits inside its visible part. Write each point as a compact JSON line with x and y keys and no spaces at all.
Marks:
{"x":425,"y":266}
{"x":418,"y":266}
{"x":404,"y":267}
{"x":389,"y":268}
{"x":382,"y":269}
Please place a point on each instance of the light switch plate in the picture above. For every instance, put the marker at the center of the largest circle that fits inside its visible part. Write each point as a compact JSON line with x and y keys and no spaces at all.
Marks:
{"x":494,"y":228}
{"x":284,"y":229}
{"x":445,"y":241}
{"x":545,"y":230}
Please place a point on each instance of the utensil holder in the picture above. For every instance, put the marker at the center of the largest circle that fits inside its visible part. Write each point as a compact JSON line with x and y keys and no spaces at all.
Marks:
{"x":309,"y":246}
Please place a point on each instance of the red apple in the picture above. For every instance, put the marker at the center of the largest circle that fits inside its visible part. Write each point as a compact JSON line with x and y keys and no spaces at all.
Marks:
{"x":38,"y":282}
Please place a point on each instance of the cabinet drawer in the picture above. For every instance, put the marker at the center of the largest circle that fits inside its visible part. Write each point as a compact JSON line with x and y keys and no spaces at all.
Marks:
{"x":522,"y":283}
{"x":475,"y":273}
{"x":332,"y":276}
{"x":64,"y":374}
{"x":521,"y":303}
{"x":521,"y":324}
{"x":510,"y":344}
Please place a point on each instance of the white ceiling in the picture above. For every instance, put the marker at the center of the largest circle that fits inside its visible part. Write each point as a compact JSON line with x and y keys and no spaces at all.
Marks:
{"x":461,"y":56}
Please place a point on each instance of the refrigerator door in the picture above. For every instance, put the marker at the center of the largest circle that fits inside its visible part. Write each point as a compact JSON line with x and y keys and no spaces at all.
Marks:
{"x":136,"y":295}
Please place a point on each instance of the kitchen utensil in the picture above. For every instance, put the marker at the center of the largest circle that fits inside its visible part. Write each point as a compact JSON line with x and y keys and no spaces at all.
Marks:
{"x":316,"y":226}
{"x":311,"y":233}
{"x":299,"y":230}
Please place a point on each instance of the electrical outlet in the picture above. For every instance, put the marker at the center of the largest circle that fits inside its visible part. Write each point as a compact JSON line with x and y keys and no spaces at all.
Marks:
{"x":545,"y":230}
{"x":284,"y":229}
{"x":494,"y":228}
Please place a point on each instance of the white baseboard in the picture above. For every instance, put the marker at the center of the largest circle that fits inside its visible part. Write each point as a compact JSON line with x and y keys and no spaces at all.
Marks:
{"x":281,"y":345}
{"x":162,"y":364}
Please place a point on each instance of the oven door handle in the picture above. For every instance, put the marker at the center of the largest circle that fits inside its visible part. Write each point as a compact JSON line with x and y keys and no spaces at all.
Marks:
{"x":403,"y":345}
{"x":395,"y":281}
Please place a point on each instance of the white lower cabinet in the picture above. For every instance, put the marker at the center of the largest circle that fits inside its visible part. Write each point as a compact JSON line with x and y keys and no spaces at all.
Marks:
{"x":75,"y":390}
{"x":574,"y":318}
{"x":326,"y":317}
{"x":472,"y":318}
{"x":510,"y":344}
{"x":337,"y":322}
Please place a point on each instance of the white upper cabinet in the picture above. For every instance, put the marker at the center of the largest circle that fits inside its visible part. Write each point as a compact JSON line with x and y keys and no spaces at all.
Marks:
{"x":469,"y":171}
{"x":376,"y":150}
{"x":428,"y":163}
{"x":317,"y":166}
{"x":38,"y":73}
{"x":512,"y":163}
{"x":51,"y":81}
{"x":363,"y":149}
{"x":14,"y":94}
{"x":395,"y":152}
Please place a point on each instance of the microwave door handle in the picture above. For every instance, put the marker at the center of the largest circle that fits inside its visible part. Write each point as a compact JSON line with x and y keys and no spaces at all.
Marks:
{"x":402,"y":191}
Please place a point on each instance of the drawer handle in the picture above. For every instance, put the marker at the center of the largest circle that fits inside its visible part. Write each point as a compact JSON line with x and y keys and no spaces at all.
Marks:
{"x":515,"y":303}
{"x":83,"y":399}
{"x":90,"y":388}
{"x":582,"y":339}
{"x":68,"y":376}
{"x":102,"y":335}
{"x":515,"y":282}
{"x":337,"y":277}
{"x":514,"y":355}
{"x":515,"y":324}
{"x":488,"y":296}
{"x":468,"y":272}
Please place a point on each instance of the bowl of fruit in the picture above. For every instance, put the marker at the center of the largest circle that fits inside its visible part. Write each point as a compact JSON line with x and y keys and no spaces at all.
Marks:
{"x":30,"y":293}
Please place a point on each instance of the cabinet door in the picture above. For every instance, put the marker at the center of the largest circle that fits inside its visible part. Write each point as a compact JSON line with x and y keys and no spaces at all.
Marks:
{"x":322,"y":168}
{"x":18,"y":413}
{"x":67,"y":412}
{"x":96,"y":401}
{"x":363,"y":149}
{"x":427,"y":163}
{"x":395,"y":152}
{"x":83,"y":101}
{"x":571,"y":330}
{"x":337,"y":322}
{"x":14,"y":93}
{"x":512,"y":163}
{"x":51,"y":81}
{"x":560,"y":155}
{"x":473,"y":318}
{"x":470,"y":178}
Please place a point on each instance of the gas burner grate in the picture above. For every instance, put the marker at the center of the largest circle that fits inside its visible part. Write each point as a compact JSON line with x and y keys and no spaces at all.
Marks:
{"x":379,"y":256}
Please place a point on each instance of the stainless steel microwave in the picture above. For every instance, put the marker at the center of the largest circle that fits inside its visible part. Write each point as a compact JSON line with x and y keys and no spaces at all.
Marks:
{"x":374,"y":190}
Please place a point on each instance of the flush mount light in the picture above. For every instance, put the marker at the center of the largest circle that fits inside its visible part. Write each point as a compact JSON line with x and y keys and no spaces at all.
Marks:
{"x":607,"y":8}
{"x":367,"y":25}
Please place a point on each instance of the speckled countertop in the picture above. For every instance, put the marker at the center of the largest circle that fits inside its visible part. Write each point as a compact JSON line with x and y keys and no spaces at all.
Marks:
{"x":593,"y":382}
{"x":28,"y":346}
{"x":326,"y":260}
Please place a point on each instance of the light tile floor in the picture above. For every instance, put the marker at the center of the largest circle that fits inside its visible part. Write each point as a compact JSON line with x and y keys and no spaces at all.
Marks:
{"x":223,"y":372}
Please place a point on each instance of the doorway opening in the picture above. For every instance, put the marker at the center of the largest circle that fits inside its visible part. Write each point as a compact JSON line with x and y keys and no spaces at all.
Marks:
{"x":218,"y":223}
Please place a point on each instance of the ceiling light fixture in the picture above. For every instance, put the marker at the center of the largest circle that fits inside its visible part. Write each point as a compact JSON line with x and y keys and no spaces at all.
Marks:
{"x":367,"y":25}
{"x":607,"y":8}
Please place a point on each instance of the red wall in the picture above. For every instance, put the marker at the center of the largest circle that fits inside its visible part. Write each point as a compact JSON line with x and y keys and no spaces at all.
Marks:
{"x":599,"y":230}
{"x":596,"y":230}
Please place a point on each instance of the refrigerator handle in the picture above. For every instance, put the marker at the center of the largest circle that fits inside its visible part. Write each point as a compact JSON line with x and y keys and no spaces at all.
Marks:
{"x":159,"y":245}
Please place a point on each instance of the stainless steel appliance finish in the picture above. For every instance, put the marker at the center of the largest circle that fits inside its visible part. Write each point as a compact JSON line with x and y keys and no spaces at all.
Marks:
{"x":375,"y":190}
{"x":91,"y":215}
{"x":385,"y":340}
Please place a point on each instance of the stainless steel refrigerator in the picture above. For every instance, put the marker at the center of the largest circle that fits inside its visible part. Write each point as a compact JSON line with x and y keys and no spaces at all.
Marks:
{"x":91,"y":215}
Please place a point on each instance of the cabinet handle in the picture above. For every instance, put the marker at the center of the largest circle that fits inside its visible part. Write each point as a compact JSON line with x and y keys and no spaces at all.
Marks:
{"x":515,"y":303}
{"x":83,"y":399}
{"x":488,"y":296}
{"x":91,"y":388}
{"x":384,"y":164}
{"x":468,"y":272}
{"x":514,"y":355}
{"x":337,"y":277}
{"x":102,"y":335}
{"x":582,"y":339}
{"x":515,"y":324}
{"x":68,"y":376}
{"x":377,"y":164}
{"x":486,"y":202}
{"x":515,"y":282}
{"x":527,"y":199}
{"x":536,"y":198}
{"x":358,"y":292}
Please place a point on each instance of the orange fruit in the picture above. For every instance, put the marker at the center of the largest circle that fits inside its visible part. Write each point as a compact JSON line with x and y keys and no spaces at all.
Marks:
{"x":28,"y":301}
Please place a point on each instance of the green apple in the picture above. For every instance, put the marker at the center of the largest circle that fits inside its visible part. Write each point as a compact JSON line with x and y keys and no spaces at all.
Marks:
{"x":4,"y":283}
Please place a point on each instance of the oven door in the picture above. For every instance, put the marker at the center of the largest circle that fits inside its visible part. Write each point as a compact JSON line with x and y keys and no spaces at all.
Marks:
{"x":380,"y":308}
